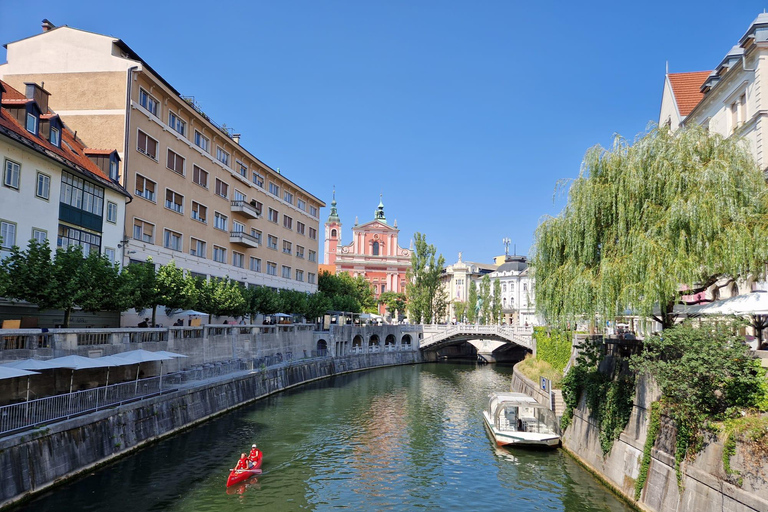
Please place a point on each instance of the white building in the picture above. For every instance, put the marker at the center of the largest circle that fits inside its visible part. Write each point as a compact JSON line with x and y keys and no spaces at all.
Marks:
{"x":53,"y":187}
{"x":517,"y":291}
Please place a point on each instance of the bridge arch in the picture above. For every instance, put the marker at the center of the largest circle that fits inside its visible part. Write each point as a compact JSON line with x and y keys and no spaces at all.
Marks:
{"x":357,"y":341}
{"x":389,"y":340}
{"x":322,"y":347}
{"x":374,"y":340}
{"x":406,"y":340}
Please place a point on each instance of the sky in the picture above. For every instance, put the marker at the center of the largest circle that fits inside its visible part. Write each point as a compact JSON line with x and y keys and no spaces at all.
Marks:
{"x":462,"y":116}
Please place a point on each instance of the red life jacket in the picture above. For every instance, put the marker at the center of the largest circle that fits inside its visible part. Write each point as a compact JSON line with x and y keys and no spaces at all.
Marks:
{"x":242,"y":463}
{"x":255,"y":454}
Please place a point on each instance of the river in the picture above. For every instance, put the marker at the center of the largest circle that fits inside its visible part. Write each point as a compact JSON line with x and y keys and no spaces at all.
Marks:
{"x":402,"y":438}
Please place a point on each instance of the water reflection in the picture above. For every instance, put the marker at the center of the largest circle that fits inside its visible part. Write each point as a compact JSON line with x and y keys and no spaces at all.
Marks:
{"x":392,"y":439}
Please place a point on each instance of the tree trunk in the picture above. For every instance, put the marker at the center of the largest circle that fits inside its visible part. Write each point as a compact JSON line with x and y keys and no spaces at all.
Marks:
{"x":67,"y":315}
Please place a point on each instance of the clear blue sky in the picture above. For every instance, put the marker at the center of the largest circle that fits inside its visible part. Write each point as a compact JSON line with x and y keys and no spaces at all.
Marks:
{"x":464,"y":115}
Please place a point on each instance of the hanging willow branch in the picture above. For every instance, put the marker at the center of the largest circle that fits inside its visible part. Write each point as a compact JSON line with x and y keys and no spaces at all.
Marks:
{"x":643,"y":219}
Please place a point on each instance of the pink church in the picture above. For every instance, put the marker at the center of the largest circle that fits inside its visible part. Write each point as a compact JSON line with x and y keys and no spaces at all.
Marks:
{"x":374,"y":252}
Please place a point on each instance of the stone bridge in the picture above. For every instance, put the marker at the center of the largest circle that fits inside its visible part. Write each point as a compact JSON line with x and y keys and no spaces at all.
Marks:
{"x":437,"y":337}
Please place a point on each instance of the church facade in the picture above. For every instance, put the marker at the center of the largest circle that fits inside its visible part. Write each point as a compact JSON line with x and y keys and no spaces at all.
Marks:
{"x":373,"y":253}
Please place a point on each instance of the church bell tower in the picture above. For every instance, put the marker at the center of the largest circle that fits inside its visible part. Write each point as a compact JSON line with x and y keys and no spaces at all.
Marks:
{"x":332,"y":233}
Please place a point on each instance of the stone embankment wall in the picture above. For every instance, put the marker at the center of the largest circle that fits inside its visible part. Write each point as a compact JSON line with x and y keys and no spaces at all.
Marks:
{"x":706,"y":487}
{"x":33,"y":461}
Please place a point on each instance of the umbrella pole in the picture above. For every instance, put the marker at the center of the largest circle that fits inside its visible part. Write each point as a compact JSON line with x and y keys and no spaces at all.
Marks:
{"x":161,"y":375}
{"x":106,"y":386}
{"x":136,"y":389}
{"x":71,"y":381}
{"x":26,"y":407}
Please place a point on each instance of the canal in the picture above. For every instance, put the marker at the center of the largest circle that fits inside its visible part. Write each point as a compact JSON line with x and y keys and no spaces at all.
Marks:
{"x":400,"y":438}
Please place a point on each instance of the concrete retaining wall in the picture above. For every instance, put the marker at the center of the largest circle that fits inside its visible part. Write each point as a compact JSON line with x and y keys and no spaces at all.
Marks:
{"x":33,"y":461}
{"x":706,"y":488}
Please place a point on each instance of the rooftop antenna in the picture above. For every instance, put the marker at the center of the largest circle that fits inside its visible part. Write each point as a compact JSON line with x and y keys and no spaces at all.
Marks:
{"x":667,"y":68}
{"x":506,"y":241}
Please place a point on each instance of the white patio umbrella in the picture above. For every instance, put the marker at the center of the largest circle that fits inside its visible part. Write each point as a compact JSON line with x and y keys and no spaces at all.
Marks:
{"x":109,"y":362}
{"x":8,"y":372}
{"x":753,"y":304}
{"x":142,"y":356}
{"x":173,"y":355}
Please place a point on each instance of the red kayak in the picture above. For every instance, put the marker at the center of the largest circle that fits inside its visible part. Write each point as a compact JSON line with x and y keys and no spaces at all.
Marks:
{"x":239,"y":475}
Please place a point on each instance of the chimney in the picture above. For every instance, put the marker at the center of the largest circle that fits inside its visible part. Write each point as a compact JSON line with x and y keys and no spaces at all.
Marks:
{"x":37,"y":93}
{"x":47,"y":25}
{"x":236,"y":138}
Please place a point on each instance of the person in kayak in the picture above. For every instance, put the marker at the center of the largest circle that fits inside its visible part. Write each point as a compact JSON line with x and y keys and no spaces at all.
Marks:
{"x":255,"y":454}
{"x":243,"y":463}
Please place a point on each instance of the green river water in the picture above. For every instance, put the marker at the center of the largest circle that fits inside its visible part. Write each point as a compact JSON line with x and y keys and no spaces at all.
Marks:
{"x":403,"y":438}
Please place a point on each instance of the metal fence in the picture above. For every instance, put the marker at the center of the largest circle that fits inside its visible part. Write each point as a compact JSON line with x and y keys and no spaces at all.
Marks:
{"x":25,"y":341}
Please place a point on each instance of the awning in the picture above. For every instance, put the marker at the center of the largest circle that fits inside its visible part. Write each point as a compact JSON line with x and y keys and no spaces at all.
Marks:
{"x":142,"y":356}
{"x":7,"y":372}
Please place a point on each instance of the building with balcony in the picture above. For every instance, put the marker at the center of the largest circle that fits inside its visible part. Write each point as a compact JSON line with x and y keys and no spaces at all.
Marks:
{"x":199,"y":197}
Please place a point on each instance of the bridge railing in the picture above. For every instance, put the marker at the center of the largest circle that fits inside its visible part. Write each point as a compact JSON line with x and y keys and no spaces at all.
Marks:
{"x":437,"y":333}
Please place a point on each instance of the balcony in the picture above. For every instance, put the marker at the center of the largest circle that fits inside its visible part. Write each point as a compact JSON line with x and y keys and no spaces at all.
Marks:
{"x":243,"y":238}
{"x":246,"y":208}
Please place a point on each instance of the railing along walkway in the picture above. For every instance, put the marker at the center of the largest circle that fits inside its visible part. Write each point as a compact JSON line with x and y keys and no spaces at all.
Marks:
{"x":437,"y":333}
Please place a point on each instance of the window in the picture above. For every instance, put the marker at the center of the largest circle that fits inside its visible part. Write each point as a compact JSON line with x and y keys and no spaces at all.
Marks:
{"x":81,"y":194}
{"x":143,"y":231}
{"x":177,"y":124}
{"x":238,"y":227}
{"x":311,"y":278}
{"x":242,"y":169}
{"x":300,"y":228}
{"x":174,"y":201}
{"x":43,"y":186}
{"x":222,"y":189}
{"x":255,"y":264}
{"x":7,"y":237}
{"x":200,"y":176}
{"x":199,"y":212}
{"x":39,"y":235}
{"x":299,"y":252}
{"x":258,"y":180}
{"x":222,"y":156}
{"x":287,"y":222}
{"x":109,"y":252}
{"x":55,"y":137}
{"x":239,"y":196}
{"x":299,"y":275}
{"x":257,"y":205}
{"x":312,"y":255}
{"x":288,"y":197}
{"x":273,"y":215}
{"x":145,"y":188}
{"x":148,"y":101}
{"x":31,"y":123}
{"x":287,"y":246}
{"x":271,"y":268}
{"x":147,"y":145}
{"x":286,"y":272}
{"x":111,"y":212}
{"x":301,"y":204}
{"x":313,"y":233}
{"x":113,"y":170}
{"x":197,"y":248}
{"x":69,"y":237}
{"x":274,"y":189}
{"x":238,"y":259}
{"x":219,"y":254}
{"x":12,"y":174}
{"x":375,"y":249}
{"x":272,"y":242}
{"x":175,"y":162}
{"x":220,"y":221}
{"x":172,"y":240}
{"x":383,"y":288}
{"x":313,"y":210}
{"x":255,"y":233}
{"x":202,"y":142}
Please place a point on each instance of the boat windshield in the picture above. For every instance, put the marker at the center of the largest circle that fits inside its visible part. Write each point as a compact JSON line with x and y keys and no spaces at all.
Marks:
{"x":526,"y":418}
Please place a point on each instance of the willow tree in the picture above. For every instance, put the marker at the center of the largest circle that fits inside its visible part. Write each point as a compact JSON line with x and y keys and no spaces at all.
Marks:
{"x":644,"y":221}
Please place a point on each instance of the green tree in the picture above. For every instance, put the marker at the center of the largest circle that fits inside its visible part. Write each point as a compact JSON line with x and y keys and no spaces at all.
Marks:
{"x":460,"y":308}
{"x":29,"y":274}
{"x":262,"y":299}
{"x":642,"y":219}
{"x":496,"y":308}
{"x":394,"y":301}
{"x":99,"y":279}
{"x":317,"y":305}
{"x":424,"y":282}
{"x":364,"y":294}
{"x":174,"y":289}
{"x":342,"y":291}
{"x":485,"y":299}
{"x":472,"y":303}
{"x":140,"y":287}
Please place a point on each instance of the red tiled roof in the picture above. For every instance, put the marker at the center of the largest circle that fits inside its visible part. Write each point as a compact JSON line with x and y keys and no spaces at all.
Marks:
{"x":72,"y":151}
{"x":686,"y":88}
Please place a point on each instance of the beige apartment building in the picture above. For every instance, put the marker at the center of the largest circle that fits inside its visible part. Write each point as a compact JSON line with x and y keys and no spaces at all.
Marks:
{"x":199,"y":197}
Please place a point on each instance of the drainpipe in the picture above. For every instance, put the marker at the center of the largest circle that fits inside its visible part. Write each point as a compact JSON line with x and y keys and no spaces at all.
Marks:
{"x":126,"y":152}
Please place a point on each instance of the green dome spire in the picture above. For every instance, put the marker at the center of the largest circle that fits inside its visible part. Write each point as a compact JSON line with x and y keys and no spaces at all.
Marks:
{"x":334,"y":215}
{"x":379,"y":213}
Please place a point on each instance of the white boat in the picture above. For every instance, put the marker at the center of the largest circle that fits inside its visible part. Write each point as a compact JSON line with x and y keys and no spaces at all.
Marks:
{"x":518,"y":419}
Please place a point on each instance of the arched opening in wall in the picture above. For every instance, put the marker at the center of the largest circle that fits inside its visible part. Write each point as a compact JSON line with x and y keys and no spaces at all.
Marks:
{"x":389,"y":340}
{"x":375,"y":249}
{"x":322,"y":347}
{"x":374,"y":341}
{"x":357,"y":341}
{"x":333,"y":233}
{"x":406,"y":340}
{"x":734,"y":289}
